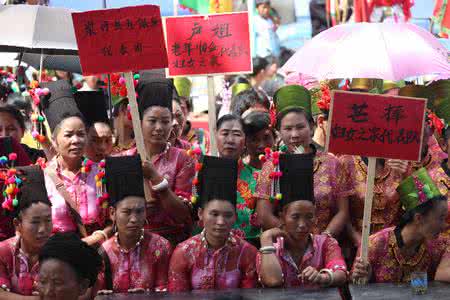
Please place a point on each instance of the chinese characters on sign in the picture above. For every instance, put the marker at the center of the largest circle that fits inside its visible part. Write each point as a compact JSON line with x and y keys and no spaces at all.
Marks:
{"x":120,"y":40}
{"x":376,"y":125}
{"x":215,"y":44}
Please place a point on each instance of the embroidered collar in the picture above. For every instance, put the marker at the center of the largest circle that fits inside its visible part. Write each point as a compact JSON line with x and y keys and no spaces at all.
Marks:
{"x":16,"y":244}
{"x":55,"y":163}
{"x":309,"y":252}
{"x":396,"y":244}
{"x":20,"y":254}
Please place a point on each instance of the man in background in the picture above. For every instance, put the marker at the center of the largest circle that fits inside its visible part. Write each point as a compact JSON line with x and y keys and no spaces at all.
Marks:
{"x":267,"y":42}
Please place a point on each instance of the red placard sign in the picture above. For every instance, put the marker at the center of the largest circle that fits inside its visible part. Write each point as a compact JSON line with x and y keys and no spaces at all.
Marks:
{"x":378,"y":126}
{"x":203,"y":45}
{"x":120,"y":40}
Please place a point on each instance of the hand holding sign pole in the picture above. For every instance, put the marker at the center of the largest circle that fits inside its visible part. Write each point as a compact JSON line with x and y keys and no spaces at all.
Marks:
{"x":375,"y":126}
{"x":122,"y":40}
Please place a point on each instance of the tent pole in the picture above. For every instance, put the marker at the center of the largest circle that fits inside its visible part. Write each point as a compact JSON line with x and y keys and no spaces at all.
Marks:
{"x":175,"y":8}
{"x":20,"y":58}
{"x":41,"y":65}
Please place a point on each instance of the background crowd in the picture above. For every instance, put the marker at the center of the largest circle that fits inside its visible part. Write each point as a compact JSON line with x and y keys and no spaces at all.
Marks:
{"x":83,"y":214}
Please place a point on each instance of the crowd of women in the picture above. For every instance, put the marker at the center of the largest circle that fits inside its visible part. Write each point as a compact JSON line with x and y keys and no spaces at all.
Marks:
{"x":86,"y":215}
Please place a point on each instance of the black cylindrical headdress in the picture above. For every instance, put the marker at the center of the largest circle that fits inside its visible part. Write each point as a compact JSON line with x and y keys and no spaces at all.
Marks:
{"x":217,"y":180}
{"x":124,"y":177}
{"x":92,"y":105}
{"x":155,"y":92}
{"x":297,"y":180}
{"x":59,"y":103}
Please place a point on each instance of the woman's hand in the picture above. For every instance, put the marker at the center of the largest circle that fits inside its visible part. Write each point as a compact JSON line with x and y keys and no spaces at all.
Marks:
{"x":311,"y":275}
{"x":361,"y":270}
{"x":399,"y":167}
{"x":151,"y":173}
{"x":270,"y":236}
{"x":148,"y":169}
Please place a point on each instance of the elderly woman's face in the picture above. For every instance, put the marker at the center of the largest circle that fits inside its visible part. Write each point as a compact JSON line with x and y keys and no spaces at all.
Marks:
{"x":230,"y":139}
{"x":58,"y":280}
{"x":71,"y":138}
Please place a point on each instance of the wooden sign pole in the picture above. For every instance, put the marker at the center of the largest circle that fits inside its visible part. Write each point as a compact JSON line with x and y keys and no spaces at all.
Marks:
{"x":212,"y":116}
{"x":367,"y":212}
{"x":138,"y":136}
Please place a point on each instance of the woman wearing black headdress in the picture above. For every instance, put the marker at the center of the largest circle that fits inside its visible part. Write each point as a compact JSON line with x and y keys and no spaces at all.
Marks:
{"x":170,"y":170}
{"x":292,"y":255}
{"x":73,"y":182}
{"x":135,"y":260}
{"x":216,"y":258}
{"x":31,"y":210}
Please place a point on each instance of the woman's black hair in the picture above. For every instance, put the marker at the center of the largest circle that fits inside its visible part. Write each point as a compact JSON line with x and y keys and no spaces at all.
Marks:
{"x":21,"y":103}
{"x":15,"y":113}
{"x":27,"y":203}
{"x":23,"y":205}
{"x":119,"y":106}
{"x":256,"y":121}
{"x":247,"y":99}
{"x":285,"y":55}
{"x":228,"y":118}
{"x":298,"y":110}
{"x":68,"y":248}
{"x":422,"y":209}
{"x":259,"y":64}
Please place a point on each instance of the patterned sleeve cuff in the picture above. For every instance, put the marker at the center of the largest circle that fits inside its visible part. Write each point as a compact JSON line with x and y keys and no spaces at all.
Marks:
{"x":338,"y":266}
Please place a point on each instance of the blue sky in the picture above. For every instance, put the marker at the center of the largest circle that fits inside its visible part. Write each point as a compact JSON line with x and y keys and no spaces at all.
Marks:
{"x":82,"y":5}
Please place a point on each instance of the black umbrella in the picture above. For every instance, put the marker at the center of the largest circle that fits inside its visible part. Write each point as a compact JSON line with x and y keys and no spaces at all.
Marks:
{"x":68,"y":63}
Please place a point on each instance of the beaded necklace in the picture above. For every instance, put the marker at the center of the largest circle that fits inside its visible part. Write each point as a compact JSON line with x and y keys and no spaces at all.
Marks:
{"x":124,"y":251}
